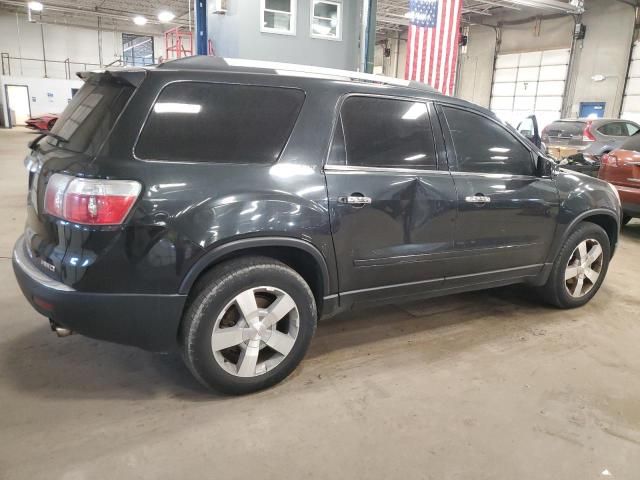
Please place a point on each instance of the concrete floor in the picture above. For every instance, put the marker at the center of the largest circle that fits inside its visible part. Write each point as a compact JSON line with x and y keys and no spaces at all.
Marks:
{"x":487,"y":385}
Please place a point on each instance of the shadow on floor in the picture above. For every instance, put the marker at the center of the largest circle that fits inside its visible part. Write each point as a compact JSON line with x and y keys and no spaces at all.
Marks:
{"x":80,"y":367}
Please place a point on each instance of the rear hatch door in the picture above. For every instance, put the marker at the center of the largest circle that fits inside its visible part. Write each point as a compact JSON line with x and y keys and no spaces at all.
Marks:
{"x":73,"y":143}
{"x":565,"y":133}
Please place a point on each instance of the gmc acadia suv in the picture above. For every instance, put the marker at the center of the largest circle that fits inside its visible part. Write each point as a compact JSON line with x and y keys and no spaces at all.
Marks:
{"x":220,"y":207}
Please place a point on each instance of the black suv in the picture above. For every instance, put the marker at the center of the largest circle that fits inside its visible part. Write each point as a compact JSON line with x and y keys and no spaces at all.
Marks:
{"x":220,"y":207}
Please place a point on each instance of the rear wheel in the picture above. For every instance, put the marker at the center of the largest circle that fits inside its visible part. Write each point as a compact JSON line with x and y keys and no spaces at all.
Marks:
{"x":580,"y":267}
{"x":50,"y":125}
{"x":249,"y":325}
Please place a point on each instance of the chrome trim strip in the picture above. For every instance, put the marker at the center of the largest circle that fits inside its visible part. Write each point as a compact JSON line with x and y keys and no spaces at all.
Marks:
{"x":362,"y":169}
{"x":492,"y":272}
{"x":426,"y":282}
{"x":384,"y":287}
{"x":25,"y":264}
{"x":503,"y":176}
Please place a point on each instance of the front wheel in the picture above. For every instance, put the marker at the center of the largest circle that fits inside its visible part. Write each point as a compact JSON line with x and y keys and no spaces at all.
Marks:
{"x":580,"y":267}
{"x":249,"y":325}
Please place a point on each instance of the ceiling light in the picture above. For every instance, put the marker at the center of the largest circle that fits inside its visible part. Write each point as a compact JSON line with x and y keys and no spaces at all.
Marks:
{"x":35,"y":6}
{"x":140,"y":20}
{"x":166,"y":16}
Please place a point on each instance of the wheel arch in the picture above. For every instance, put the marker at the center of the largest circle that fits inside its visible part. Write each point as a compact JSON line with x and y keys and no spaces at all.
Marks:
{"x":606,"y":219}
{"x":300,"y":255}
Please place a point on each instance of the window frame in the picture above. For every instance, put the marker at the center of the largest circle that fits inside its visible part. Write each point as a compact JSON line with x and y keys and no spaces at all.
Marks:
{"x":153,"y":48}
{"x":452,"y":154}
{"x":293,"y":14}
{"x":147,"y":116}
{"x":440,"y":166}
{"x":338,"y":36}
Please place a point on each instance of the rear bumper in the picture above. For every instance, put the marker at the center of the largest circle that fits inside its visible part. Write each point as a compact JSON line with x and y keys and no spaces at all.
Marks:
{"x":147,"y":321}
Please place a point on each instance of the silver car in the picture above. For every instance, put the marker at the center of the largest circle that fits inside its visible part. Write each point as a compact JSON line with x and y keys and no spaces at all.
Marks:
{"x":593,"y":137}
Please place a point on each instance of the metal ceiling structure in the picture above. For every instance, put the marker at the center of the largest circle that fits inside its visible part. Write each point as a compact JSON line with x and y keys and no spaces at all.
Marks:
{"x":66,"y":11}
{"x":391,"y":13}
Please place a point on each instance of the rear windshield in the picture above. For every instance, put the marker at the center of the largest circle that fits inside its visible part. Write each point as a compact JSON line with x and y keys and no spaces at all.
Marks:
{"x":565,"y":129}
{"x":89,"y":117}
{"x":632,"y":144}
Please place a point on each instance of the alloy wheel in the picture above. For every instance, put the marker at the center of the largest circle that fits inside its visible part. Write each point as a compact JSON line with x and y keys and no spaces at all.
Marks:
{"x":584,"y":268}
{"x":255,"y":331}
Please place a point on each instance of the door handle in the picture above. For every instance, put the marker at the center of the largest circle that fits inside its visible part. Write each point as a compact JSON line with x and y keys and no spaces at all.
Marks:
{"x":355,"y":199}
{"x":478,"y":198}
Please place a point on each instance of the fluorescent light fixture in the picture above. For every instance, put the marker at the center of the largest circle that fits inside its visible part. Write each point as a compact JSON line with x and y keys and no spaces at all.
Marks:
{"x":416,"y":111}
{"x":35,"y":6}
{"x":415,"y":157}
{"x":140,"y":20}
{"x":165,"y":16}
{"x":176,"y":108}
{"x":499,"y":150}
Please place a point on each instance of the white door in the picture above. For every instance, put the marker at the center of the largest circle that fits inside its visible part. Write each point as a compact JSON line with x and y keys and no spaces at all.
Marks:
{"x":18,"y":104}
{"x":530,"y":83}
{"x":631,"y":102}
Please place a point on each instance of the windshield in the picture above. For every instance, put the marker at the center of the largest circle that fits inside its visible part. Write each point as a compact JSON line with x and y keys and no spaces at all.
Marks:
{"x":89,"y":117}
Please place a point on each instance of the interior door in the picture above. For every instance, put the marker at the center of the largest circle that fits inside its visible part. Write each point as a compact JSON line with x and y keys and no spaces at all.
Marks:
{"x":18,"y":104}
{"x":506,"y":213}
{"x":529,"y":130}
{"x":391,"y":209}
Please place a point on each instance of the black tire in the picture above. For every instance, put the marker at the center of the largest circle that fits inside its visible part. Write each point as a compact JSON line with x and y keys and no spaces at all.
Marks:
{"x":626,"y":219}
{"x":50,"y":125}
{"x":555,"y":290}
{"x":214,"y":292}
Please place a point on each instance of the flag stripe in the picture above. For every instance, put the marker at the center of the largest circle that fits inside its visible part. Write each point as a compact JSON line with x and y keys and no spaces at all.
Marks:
{"x":432,"y":46}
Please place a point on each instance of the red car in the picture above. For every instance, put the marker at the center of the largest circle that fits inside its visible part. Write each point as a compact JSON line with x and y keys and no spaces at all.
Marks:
{"x":43,"y":122}
{"x":621,"y":168}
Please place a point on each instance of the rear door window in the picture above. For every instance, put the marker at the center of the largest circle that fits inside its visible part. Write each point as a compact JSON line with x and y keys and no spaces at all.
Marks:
{"x":614,"y":129}
{"x":387,"y":133}
{"x":484,"y":146}
{"x":92,"y":112}
{"x":219,"y":123}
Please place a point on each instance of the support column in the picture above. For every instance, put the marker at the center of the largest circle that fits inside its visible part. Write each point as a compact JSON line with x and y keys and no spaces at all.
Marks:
{"x":368,"y":35}
{"x":200,"y":12}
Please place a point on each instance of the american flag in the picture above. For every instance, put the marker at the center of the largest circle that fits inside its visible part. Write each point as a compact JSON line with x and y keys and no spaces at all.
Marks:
{"x":432,"y":46}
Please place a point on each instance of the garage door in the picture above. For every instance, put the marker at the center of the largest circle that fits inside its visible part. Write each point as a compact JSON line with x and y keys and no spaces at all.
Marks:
{"x":631,"y":103}
{"x":527,"y":83}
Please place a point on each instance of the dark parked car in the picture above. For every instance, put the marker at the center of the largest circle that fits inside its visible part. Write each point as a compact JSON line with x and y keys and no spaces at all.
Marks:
{"x":622,"y":168}
{"x":220,"y":207}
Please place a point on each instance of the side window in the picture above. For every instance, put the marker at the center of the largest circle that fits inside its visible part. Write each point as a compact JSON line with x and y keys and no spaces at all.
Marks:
{"x":483,"y":146}
{"x":220,"y":123}
{"x":337,"y":153}
{"x":614,"y":129}
{"x":382,"y":132}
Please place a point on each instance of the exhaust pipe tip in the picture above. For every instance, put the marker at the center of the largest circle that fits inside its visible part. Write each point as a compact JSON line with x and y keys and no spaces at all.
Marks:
{"x":60,"y":331}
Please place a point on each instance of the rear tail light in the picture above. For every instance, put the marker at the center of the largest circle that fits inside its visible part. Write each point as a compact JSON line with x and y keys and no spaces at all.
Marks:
{"x":587,"y":136}
{"x":89,"y":201}
{"x":609,"y":159}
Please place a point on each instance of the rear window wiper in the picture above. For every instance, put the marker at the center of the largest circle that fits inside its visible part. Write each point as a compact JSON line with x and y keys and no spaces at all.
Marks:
{"x":34,"y":143}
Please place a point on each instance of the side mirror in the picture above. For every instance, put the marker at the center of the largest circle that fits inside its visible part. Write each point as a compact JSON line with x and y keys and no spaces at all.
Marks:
{"x":546,"y":167}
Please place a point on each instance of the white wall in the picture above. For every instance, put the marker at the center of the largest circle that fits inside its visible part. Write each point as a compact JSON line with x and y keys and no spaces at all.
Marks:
{"x":46,"y":95}
{"x":79,"y":44}
{"x":605,"y":50}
